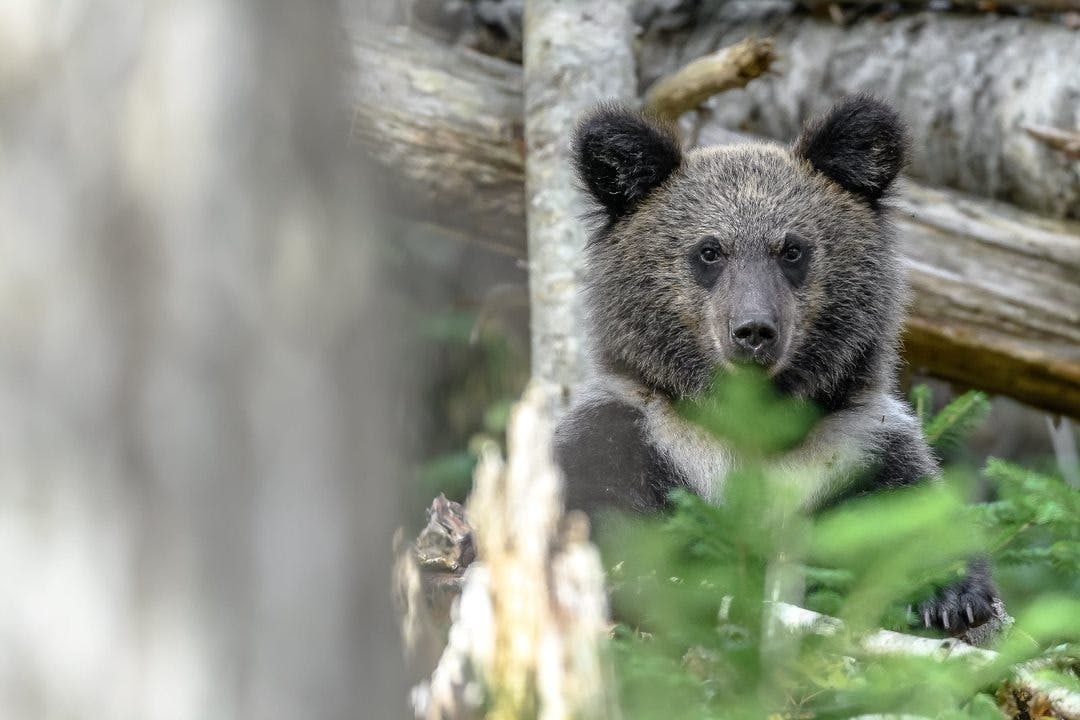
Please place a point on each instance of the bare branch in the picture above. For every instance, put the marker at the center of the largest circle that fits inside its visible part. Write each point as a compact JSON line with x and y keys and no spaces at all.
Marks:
{"x":1067,"y":141}
{"x":729,"y":68}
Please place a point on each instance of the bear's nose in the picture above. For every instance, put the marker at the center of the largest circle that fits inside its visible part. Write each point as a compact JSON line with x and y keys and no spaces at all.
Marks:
{"x":753,"y":334}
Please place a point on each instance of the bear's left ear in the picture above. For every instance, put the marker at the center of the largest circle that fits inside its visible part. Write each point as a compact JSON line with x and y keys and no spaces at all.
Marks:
{"x":861,"y":144}
{"x":622,"y":156}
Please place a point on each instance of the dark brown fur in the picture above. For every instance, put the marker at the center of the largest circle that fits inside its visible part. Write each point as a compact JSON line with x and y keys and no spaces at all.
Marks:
{"x":692,"y":243}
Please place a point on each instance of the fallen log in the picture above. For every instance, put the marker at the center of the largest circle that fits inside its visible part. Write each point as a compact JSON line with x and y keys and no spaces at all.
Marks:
{"x":446,"y":125}
{"x":996,"y":302}
{"x":996,"y":297}
{"x":967,"y":85}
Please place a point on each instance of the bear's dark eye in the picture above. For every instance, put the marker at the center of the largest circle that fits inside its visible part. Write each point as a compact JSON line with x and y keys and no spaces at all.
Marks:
{"x":794,"y":256}
{"x":706,"y":261}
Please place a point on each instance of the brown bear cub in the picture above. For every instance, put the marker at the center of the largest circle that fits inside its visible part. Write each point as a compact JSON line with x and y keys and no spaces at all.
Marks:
{"x":780,"y":257}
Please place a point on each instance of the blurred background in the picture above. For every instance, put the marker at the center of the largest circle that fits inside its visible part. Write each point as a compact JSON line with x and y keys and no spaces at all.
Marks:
{"x":232,"y":363}
{"x":201,"y":382}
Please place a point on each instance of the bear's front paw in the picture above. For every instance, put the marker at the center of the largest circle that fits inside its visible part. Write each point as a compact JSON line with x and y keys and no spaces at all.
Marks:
{"x":957,"y":608}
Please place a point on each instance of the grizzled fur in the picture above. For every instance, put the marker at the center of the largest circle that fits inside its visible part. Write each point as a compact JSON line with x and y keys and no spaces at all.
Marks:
{"x":783,"y":257}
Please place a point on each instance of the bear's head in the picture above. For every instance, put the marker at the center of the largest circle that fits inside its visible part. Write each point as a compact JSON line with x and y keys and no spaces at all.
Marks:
{"x":757,"y":253}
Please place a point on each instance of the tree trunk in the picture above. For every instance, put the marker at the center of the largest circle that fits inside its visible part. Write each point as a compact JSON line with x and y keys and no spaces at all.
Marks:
{"x":996,"y":304}
{"x":575,"y":54}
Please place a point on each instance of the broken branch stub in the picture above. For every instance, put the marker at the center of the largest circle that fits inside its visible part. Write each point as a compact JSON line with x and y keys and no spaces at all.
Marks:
{"x":697,"y":81}
{"x":526,"y":634}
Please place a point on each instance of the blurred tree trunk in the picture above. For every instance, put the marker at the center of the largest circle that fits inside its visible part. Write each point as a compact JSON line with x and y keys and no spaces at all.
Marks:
{"x":198,"y":370}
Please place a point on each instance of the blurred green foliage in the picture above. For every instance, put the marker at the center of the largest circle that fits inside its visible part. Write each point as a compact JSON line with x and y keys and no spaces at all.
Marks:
{"x":1034,"y":526}
{"x":690,"y":589}
{"x":464,"y":324}
{"x":482,"y":374}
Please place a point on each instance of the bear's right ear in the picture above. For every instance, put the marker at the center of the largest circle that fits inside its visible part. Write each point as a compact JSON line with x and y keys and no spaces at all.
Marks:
{"x":860,"y":144}
{"x":621,"y":157}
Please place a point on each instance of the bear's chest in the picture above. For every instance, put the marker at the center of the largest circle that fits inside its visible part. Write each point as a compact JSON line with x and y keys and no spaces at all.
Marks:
{"x":701,"y":460}
{"x":835,"y":450}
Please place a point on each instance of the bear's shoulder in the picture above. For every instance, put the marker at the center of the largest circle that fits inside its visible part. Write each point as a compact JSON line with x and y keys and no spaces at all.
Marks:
{"x":604,"y":449}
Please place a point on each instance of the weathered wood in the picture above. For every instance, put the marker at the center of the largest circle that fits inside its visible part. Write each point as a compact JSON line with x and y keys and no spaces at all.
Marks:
{"x":700,"y":79}
{"x":532,"y":615}
{"x":966,"y":85}
{"x":996,"y":297}
{"x":447,"y":125}
{"x":575,"y":53}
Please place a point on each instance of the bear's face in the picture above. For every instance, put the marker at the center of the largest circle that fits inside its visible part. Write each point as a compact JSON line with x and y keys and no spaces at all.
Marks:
{"x":746,"y":253}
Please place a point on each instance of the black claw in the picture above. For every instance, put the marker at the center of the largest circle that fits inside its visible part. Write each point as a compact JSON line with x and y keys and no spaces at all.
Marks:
{"x":963,"y":605}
